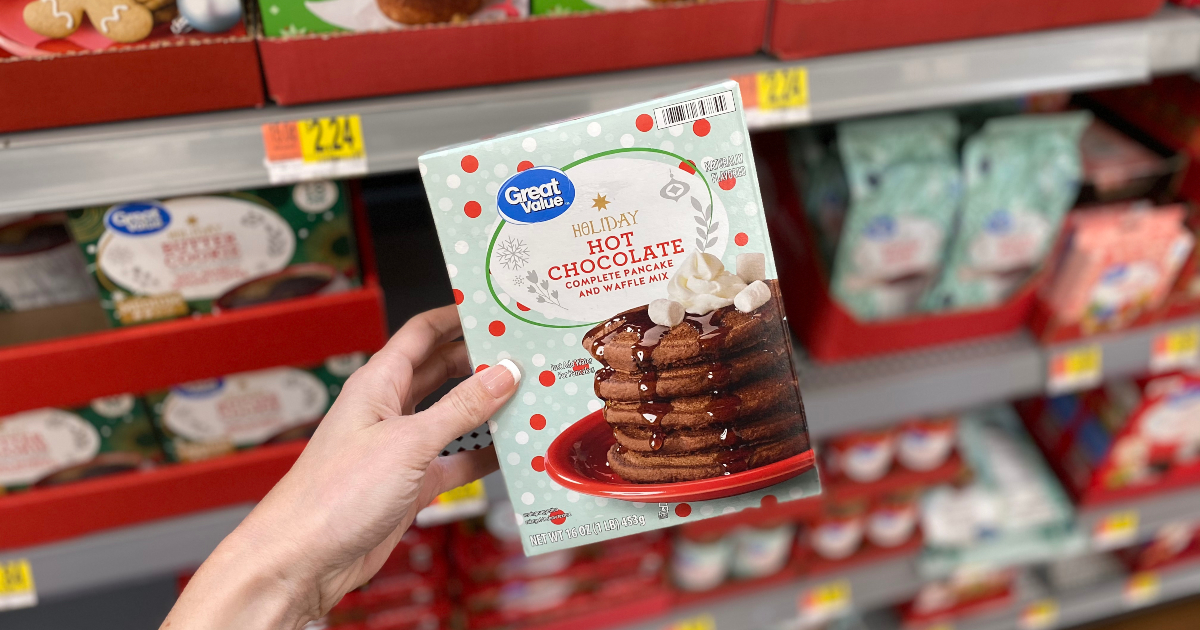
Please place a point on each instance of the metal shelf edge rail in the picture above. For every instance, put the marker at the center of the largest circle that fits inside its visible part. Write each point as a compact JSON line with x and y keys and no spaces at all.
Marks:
{"x":73,"y":167}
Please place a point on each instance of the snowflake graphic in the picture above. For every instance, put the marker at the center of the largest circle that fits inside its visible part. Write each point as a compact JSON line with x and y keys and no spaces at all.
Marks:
{"x":513,"y":253}
{"x":518,"y":281}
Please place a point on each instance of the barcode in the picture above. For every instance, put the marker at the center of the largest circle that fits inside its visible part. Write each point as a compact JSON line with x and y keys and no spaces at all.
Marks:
{"x":695,"y":109}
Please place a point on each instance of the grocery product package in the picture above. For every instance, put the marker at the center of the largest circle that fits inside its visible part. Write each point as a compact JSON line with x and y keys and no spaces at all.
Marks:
{"x":39,"y":266}
{"x":557,"y":7}
{"x":156,"y":260}
{"x":52,"y":446}
{"x":213,"y":417}
{"x":1021,"y":175}
{"x":283,"y":18}
{"x":903,"y":181}
{"x":1013,"y":512}
{"x":1117,"y":263}
{"x":621,"y":260}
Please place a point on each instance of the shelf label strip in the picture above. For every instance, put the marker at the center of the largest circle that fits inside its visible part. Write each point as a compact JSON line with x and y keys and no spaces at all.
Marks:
{"x":775,"y":98}
{"x":1175,"y":349}
{"x":1074,"y":369}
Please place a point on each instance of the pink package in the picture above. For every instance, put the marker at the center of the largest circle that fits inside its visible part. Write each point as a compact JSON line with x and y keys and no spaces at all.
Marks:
{"x":1117,"y":263}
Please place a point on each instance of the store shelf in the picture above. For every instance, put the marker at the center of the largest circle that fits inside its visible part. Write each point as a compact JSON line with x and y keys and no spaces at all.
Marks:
{"x":66,"y":168}
{"x":954,"y":377}
{"x":871,"y":586}
{"x":1095,"y":602}
{"x":105,"y":559}
{"x":73,"y":370}
{"x":1151,"y":511}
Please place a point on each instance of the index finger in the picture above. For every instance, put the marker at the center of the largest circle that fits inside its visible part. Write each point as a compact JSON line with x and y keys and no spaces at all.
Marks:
{"x":419,"y":337}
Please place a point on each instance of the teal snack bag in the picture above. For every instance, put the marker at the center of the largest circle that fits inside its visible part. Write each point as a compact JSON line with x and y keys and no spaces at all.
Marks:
{"x":622,"y":262}
{"x":903,"y":179}
{"x":1021,"y":174}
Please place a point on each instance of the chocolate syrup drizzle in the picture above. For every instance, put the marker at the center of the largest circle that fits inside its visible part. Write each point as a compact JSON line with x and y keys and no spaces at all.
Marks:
{"x":711,"y":338}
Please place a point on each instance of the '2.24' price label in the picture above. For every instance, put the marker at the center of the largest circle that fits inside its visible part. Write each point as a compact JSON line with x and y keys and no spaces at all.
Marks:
{"x":315,"y":148}
{"x":17,"y":589}
{"x":774,"y":98}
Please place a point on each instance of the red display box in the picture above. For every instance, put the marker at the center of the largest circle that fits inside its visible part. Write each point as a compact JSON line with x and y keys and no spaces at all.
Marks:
{"x":47,"y":515}
{"x":180,"y":75}
{"x":804,"y":28}
{"x":328,"y":67}
{"x":828,"y":331}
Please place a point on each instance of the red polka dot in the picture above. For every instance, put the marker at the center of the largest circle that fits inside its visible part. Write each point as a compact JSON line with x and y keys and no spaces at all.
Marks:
{"x":769,"y":501}
{"x":683,"y":510}
{"x":701,"y":127}
{"x":546,"y":378}
{"x":687,"y":167}
{"x":481,"y":367}
{"x":727,"y":183}
{"x":496,"y":328}
{"x":741,"y":239}
{"x":538,"y":463}
{"x":522,"y":307}
{"x":537,"y":421}
{"x":470,"y":164}
{"x":645,"y":122}
{"x":458,"y":297}
{"x":473,"y":209}
{"x":558,"y":517}
{"x":525,"y":165}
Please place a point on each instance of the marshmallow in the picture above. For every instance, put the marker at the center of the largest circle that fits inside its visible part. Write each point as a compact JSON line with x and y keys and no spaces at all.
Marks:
{"x":666,"y":312}
{"x":751,"y":267}
{"x":702,"y":285}
{"x":753,"y":296}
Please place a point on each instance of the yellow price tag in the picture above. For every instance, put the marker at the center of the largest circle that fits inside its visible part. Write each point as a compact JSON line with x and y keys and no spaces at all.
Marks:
{"x":331,"y":138}
{"x":1117,"y":529}
{"x":701,"y":622}
{"x":1175,"y":349}
{"x":826,"y":600}
{"x":471,"y":491}
{"x":1075,"y":368}
{"x":1141,"y":589}
{"x":317,"y":148}
{"x":17,"y":589}
{"x":782,"y":89}
{"x":1039,"y":615}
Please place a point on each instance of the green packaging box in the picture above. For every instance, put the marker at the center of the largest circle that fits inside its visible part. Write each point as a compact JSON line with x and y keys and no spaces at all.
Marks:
{"x":52,"y":446}
{"x":213,"y":417}
{"x":615,"y":258}
{"x":156,"y":260}
{"x":290,"y":18}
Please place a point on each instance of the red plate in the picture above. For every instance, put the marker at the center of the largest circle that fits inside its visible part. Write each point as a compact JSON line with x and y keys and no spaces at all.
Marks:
{"x":578,"y":460}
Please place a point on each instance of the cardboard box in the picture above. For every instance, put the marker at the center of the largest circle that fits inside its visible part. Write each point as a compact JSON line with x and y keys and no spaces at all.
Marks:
{"x":576,"y":248}
{"x":47,"y":447}
{"x":204,"y":254}
{"x":209,"y":418}
{"x":78,"y":75}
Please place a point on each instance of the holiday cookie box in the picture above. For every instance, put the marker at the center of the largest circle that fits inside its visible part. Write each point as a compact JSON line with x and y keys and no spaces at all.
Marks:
{"x":331,"y":66}
{"x":802,"y":28}
{"x":162,"y":77}
{"x":828,"y":331}
{"x":71,"y":370}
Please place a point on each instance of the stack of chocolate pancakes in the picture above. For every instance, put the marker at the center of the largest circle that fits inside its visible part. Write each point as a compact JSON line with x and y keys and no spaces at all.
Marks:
{"x":713,"y":395}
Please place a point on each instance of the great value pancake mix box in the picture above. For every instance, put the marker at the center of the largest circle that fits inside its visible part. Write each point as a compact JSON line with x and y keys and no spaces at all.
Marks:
{"x":213,"y":417}
{"x":156,"y":260}
{"x":50,"y":446}
{"x":622,"y":261}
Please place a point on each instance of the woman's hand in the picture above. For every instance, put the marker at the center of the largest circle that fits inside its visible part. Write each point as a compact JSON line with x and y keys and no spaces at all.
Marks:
{"x":333,"y":520}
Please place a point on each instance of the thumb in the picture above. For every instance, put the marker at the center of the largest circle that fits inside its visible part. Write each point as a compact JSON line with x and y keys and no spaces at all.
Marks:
{"x":468,"y":405}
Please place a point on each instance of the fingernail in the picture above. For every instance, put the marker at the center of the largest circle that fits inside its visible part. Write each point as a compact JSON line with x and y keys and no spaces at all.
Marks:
{"x":501,"y":378}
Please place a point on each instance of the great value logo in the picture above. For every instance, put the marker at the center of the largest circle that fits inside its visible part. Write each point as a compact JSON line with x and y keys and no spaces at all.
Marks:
{"x":534,"y":195}
{"x":137,"y":219}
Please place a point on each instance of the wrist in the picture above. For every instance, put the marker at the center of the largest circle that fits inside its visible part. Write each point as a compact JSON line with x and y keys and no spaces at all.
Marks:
{"x":247,"y":583}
